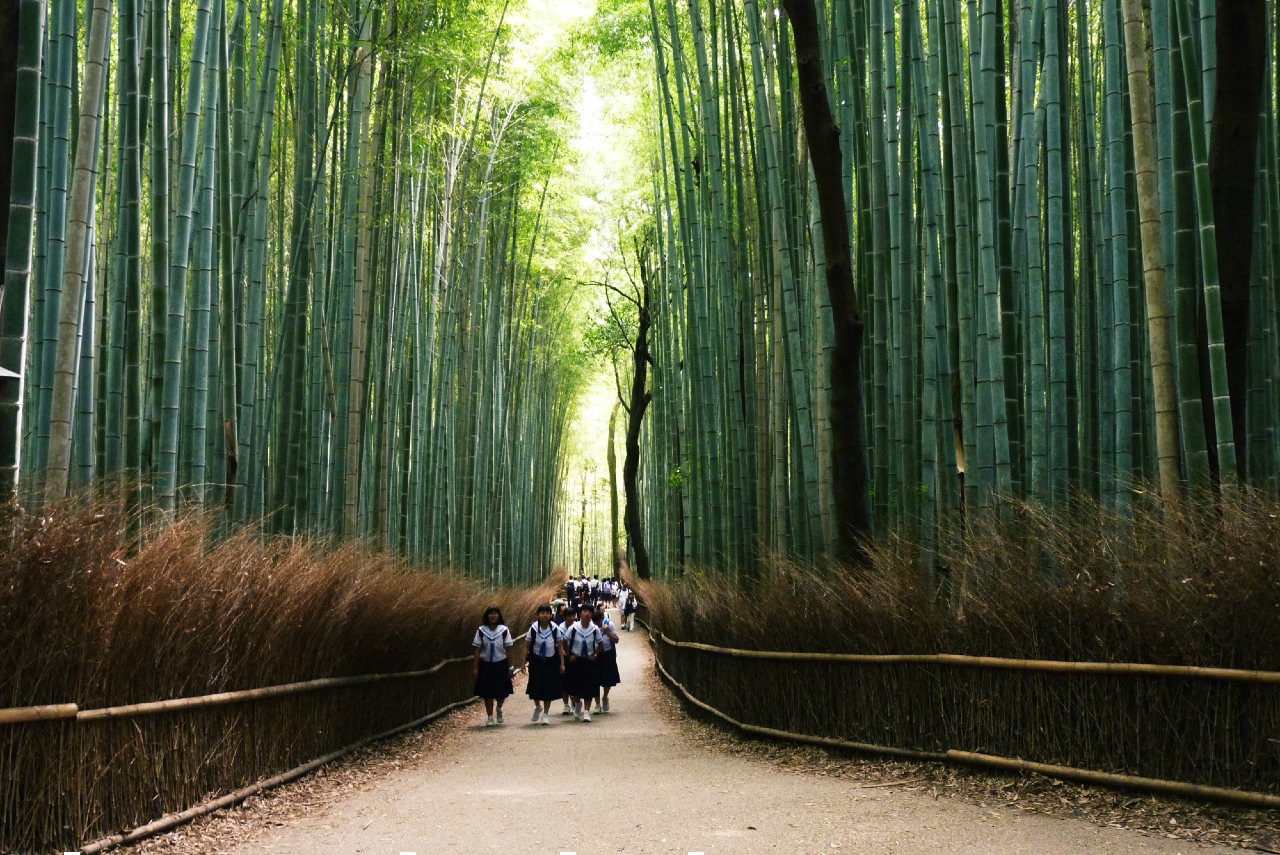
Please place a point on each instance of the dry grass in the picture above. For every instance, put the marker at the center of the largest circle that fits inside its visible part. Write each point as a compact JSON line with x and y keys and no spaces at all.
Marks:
{"x":1199,"y":587}
{"x":84,"y":618}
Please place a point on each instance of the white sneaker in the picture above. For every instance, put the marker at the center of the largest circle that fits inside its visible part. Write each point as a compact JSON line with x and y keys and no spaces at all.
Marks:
{"x":586,"y":715}
{"x":597,"y":707}
{"x":537,"y":714}
{"x":567,"y":710}
{"x":577,"y":714}
{"x":604,"y":707}
{"x":544,"y":719}
{"x":499,"y":716}
{"x":490,"y":722}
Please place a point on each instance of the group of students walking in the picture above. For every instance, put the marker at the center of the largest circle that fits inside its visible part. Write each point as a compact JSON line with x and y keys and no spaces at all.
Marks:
{"x":573,"y":659}
{"x":600,"y":594}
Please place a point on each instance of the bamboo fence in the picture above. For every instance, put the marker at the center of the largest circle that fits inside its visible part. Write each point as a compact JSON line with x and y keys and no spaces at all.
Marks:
{"x":69,"y":775}
{"x":1205,"y":733}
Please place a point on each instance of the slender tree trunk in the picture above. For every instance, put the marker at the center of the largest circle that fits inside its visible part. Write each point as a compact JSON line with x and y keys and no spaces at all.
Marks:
{"x":19,"y":202}
{"x":613,"y":490}
{"x":77,"y":257}
{"x":1233,"y":165}
{"x":823,"y":139}
{"x":640,"y":398}
{"x":1159,"y":308}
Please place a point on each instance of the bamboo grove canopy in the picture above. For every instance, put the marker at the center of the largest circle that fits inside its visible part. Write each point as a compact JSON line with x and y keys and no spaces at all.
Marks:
{"x":1063,"y":226}
{"x":284,"y":258}
{"x":308,"y":251}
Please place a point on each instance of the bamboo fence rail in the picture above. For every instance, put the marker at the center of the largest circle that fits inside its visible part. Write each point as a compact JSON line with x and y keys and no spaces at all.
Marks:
{"x":49,"y":712}
{"x":1045,"y":665}
{"x":68,"y":775}
{"x":1205,"y":733}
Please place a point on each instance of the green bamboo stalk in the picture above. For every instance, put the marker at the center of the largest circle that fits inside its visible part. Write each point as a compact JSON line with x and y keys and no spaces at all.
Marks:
{"x":14,"y":317}
{"x":1159,"y":310}
{"x":179,"y":255}
{"x":76,"y":258}
{"x":1208,"y":260}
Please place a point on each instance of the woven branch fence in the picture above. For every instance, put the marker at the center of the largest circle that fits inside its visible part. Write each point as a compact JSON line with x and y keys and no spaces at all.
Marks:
{"x":68,"y":776}
{"x":1211,"y":727}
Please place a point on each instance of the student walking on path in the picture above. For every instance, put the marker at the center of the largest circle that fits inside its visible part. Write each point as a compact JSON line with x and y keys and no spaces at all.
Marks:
{"x":607,"y":665}
{"x":544,"y":659}
{"x":491,"y":669}
{"x":583,"y":643}
{"x":629,"y":610}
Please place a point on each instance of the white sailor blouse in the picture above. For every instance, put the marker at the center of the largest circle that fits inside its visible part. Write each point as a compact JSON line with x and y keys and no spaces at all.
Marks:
{"x":604,"y":637}
{"x":543,"y":642}
{"x":493,"y":643}
{"x":584,"y":639}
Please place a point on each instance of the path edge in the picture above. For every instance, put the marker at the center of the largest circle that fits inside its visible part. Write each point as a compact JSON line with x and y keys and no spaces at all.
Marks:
{"x":171,"y":821}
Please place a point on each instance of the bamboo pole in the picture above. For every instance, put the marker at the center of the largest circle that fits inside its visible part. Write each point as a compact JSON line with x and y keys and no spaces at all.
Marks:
{"x":994,"y":662}
{"x":223,"y":698}
{"x":1263,"y":801}
{"x":17,"y":715}
{"x":49,"y":712}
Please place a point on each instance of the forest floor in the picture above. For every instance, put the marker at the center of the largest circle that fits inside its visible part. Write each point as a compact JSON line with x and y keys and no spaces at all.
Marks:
{"x":648,"y":778}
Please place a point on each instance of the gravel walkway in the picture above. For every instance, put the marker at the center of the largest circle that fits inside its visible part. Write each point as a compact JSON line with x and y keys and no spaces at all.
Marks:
{"x":631,"y":781}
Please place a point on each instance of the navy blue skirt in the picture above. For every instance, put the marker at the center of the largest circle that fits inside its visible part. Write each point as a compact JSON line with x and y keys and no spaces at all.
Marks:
{"x":582,"y":678}
{"x":544,"y":679}
{"x":608,"y":667}
{"x":494,"y":680}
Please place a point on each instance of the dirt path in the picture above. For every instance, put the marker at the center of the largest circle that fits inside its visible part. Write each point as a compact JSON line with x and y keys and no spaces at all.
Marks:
{"x":630,"y":782}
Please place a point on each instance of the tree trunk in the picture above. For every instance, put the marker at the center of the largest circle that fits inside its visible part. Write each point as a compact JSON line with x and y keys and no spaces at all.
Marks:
{"x":1233,"y":163}
{"x":73,"y":274}
{"x":19,"y":204}
{"x":640,"y":398}
{"x":823,"y":138}
{"x":613,"y":492}
{"x":1159,"y":308}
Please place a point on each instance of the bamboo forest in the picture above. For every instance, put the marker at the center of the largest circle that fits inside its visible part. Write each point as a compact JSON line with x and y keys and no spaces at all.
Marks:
{"x":353,"y":269}
{"x":904,"y":374}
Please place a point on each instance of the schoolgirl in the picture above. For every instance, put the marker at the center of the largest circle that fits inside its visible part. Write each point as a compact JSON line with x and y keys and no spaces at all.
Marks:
{"x":544,"y":652}
{"x":583,"y":643}
{"x":491,"y":668}
{"x":607,"y":665}
{"x":566,"y":619}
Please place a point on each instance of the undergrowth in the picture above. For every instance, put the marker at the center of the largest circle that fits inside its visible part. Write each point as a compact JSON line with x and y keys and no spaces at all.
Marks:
{"x":86,"y":616}
{"x":1197,"y":584}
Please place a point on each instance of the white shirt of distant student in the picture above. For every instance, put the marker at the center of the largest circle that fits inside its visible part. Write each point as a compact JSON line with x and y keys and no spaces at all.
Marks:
{"x":543,"y":642}
{"x":493,"y":643}
{"x":583,"y":639}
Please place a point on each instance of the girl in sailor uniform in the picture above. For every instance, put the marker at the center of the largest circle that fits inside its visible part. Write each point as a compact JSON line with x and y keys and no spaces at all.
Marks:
{"x":566,"y":620}
{"x":491,"y":669}
{"x":582,"y":642}
{"x":607,"y":665}
{"x":544,"y":651}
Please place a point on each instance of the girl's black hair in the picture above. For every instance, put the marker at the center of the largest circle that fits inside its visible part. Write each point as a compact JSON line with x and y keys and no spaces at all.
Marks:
{"x":545,"y":607}
{"x":586,"y":606}
{"x":485,"y":620}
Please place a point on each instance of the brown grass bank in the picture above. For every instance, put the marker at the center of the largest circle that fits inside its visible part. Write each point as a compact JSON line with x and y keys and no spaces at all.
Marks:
{"x":1198,"y":587}
{"x":85,"y":621}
